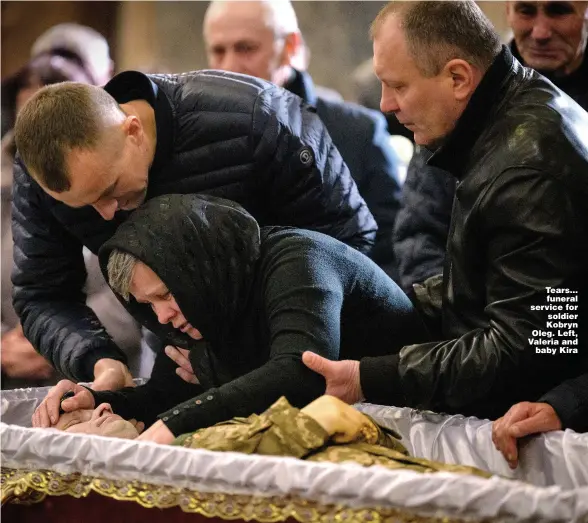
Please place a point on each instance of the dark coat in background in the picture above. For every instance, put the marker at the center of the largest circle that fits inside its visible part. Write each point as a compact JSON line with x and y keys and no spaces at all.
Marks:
{"x":570,"y":402}
{"x":422,"y":223}
{"x":519,"y":225}
{"x":260,"y":298}
{"x":428,"y":195}
{"x":218,"y":133}
{"x":362,"y":139}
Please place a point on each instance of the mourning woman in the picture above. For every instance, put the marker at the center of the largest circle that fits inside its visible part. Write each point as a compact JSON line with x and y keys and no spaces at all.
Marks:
{"x":247,"y":302}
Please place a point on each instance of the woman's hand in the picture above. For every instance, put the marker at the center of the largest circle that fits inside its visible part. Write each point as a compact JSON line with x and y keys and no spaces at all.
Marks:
{"x":181,"y":357}
{"x":158,"y":433}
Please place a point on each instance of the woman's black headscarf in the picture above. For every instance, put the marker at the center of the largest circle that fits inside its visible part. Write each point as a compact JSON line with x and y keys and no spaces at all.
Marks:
{"x":205,"y":249}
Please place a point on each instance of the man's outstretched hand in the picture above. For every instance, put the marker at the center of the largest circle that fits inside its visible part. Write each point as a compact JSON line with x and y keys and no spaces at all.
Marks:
{"x":108,"y":375}
{"x":342,"y":377}
{"x":522,"y":419}
{"x":47,"y":413}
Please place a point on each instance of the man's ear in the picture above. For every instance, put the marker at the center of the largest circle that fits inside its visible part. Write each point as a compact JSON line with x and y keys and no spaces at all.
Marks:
{"x":294,"y":53}
{"x":464,"y":78}
{"x":133,"y":128}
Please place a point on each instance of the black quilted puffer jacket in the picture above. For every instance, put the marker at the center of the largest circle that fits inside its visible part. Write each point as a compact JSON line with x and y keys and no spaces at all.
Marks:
{"x":218,"y":133}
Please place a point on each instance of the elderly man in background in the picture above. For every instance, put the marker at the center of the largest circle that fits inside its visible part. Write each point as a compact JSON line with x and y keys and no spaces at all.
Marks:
{"x":551,"y":38}
{"x":262,"y":39}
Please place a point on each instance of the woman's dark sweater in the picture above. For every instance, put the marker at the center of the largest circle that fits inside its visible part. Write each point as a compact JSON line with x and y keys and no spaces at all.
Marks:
{"x":258,"y":309}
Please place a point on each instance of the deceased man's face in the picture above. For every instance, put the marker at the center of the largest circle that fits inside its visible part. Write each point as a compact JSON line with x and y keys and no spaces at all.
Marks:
{"x":101,"y":421}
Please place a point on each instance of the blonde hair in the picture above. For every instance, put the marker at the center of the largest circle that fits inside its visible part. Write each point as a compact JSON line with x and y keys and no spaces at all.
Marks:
{"x":120,"y":268}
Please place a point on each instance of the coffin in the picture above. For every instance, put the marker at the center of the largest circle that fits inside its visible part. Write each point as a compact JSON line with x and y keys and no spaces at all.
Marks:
{"x":55,"y":476}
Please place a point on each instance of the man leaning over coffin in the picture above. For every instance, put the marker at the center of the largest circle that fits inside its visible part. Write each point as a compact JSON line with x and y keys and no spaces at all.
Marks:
{"x":518,"y":148}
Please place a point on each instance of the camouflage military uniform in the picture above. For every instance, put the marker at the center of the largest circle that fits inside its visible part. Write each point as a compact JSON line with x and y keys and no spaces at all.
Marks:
{"x":283,"y":430}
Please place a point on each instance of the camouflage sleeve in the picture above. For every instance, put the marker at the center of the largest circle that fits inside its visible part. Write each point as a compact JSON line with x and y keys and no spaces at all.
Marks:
{"x":281,"y":430}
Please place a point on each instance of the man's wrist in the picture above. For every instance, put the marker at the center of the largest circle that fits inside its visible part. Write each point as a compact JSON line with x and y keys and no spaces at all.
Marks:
{"x":359,"y":392}
{"x":108,"y":365}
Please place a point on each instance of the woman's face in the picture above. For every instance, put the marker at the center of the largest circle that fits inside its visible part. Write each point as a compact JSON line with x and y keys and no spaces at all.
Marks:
{"x":146,"y":287}
{"x":101,"y":421}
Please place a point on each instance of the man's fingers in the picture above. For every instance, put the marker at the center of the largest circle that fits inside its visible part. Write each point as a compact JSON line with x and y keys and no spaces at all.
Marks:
{"x":75,"y":403}
{"x":35,"y":419}
{"x":504,"y":443}
{"x":316,"y":363}
{"x":508,"y":447}
{"x":44,"y":420}
{"x":187,"y":376}
{"x":532,"y":425}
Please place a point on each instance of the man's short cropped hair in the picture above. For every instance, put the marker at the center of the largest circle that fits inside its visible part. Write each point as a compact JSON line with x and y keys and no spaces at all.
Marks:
{"x":57,"y":119}
{"x":437,"y":32}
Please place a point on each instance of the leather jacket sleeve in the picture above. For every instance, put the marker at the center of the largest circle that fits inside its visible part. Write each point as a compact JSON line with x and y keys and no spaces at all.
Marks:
{"x":48,"y":277}
{"x":308,"y":182}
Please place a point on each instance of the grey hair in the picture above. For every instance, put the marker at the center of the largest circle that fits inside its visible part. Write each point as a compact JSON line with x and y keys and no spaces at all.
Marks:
{"x":439,"y":31}
{"x":121,"y":266}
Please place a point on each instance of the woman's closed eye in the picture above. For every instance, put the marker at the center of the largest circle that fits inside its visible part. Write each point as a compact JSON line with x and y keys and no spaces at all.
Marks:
{"x":167,"y":296}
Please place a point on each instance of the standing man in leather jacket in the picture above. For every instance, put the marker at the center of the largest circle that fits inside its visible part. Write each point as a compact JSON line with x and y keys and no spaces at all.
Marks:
{"x":515,"y":272}
{"x":89,"y":155}
{"x":262,"y":39}
{"x":550,"y":37}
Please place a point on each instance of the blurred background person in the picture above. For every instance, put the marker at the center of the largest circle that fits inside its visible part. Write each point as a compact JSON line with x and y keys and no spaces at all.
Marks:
{"x":301,"y":61}
{"x":550,"y":37}
{"x":84,"y":43}
{"x":263,"y":39}
{"x":21,"y":364}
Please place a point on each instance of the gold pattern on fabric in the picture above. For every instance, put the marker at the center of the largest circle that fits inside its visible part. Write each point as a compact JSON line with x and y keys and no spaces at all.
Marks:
{"x":22,"y":486}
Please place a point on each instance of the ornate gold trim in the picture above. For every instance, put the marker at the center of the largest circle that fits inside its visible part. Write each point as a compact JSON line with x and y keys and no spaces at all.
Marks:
{"x":27,"y":487}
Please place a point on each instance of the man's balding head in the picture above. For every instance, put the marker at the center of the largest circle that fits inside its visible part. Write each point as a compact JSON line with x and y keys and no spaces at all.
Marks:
{"x":430,"y":58}
{"x":256,"y":38}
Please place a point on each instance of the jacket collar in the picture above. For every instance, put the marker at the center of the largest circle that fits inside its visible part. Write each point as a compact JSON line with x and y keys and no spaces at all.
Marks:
{"x":133,"y":85}
{"x":453,"y":155}
{"x":572,"y":83}
{"x":301,"y":85}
